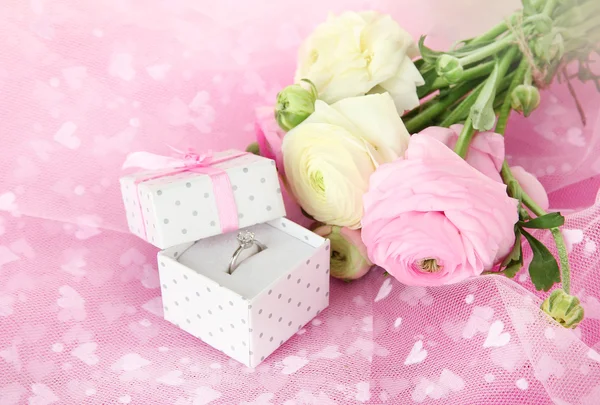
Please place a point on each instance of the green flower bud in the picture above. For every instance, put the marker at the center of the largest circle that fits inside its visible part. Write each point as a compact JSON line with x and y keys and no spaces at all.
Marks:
{"x":525,"y":99}
{"x":532,"y":7}
{"x":349,"y":260}
{"x":449,"y":67}
{"x":253,"y":148}
{"x":564,"y":308}
{"x":550,"y":48}
{"x":295,"y":103}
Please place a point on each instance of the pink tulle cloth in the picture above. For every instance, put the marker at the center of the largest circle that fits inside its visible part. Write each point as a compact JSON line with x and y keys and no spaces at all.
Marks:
{"x":84,"y":83}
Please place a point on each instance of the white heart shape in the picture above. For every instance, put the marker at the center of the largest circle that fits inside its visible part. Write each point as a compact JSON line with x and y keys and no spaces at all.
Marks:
{"x":172,"y":378}
{"x":74,"y":76}
{"x":66,"y":135}
{"x":397,"y":322}
{"x":130,"y":362}
{"x":452,"y":381}
{"x":21,"y":246}
{"x":121,"y":65}
{"x":7,"y":256}
{"x":589,"y":248}
{"x":330,"y":352}
{"x":417,"y":354}
{"x":72,"y":304}
{"x":124,"y":399}
{"x":547,"y":367}
{"x":132,"y":256}
{"x":495,"y":337}
{"x":7,"y":202}
{"x":572,"y":237}
{"x":154,"y":306}
{"x":575,"y":137}
{"x":594,"y":355}
{"x":42,"y":395}
{"x":158,"y":72}
{"x":522,"y":384}
{"x":292,"y":364}
{"x":385,"y":290}
{"x":205,"y":395}
{"x":86,"y":353}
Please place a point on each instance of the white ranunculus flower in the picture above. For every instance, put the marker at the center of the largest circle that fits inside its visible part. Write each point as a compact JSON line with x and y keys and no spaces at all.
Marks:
{"x":358,"y":53}
{"x":330,"y":156}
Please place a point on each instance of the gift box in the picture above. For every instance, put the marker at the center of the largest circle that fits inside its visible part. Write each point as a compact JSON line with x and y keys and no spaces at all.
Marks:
{"x":195,"y":197}
{"x":269,"y":297}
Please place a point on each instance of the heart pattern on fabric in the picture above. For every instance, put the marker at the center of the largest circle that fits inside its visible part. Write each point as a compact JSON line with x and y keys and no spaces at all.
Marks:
{"x":86,"y":352}
{"x":384,"y":290}
{"x":72,"y":304}
{"x":172,"y":378}
{"x":496,"y":337}
{"x":292,"y":364}
{"x":417,"y":354}
{"x":42,"y":395}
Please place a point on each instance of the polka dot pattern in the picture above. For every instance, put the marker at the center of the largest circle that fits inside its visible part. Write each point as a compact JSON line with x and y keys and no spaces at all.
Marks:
{"x":285,"y":308}
{"x":176,"y":209}
{"x":245,"y":330}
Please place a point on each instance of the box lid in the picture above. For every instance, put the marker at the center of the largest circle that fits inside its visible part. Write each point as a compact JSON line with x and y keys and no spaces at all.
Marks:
{"x":170,"y":207}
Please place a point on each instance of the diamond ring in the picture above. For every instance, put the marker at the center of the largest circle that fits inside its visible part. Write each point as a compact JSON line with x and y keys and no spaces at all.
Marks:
{"x":246,"y":240}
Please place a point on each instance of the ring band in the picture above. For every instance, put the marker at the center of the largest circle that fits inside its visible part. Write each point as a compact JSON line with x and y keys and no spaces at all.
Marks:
{"x":246,"y":240}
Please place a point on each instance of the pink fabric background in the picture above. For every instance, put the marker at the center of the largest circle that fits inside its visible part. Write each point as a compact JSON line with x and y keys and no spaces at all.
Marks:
{"x":83,"y":83}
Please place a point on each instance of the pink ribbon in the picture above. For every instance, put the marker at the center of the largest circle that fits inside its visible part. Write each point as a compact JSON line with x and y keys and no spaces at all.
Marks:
{"x":197,"y":163}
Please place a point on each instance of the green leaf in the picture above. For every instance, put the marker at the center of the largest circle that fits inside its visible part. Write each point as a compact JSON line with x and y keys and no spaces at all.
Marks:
{"x":548,"y":221}
{"x":514,"y":261}
{"x":482,"y":113}
{"x":428,"y":54}
{"x":516,"y":254}
{"x":543,"y":270}
{"x":429,"y":76}
{"x":512,"y":269}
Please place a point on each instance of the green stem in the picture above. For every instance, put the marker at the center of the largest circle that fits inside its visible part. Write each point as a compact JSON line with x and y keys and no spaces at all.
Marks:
{"x":559,"y":239}
{"x":463,"y":109}
{"x":464,"y":140}
{"x":507,"y":176}
{"x":491,"y":34}
{"x":423,"y":119}
{"x":486,"y":51}
{"x":578,"y":14}
{"x":564,"y":259}
{"x":469,"y":74}
{"x":549,"y":7}
{"x":505,"y":110}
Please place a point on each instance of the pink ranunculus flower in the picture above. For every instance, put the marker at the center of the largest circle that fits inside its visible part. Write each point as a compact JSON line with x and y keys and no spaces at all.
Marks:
{"x":432,"y":219}
{"x":532,"y":186}
{"x":486,"y":154}
{"x":486,"y":151}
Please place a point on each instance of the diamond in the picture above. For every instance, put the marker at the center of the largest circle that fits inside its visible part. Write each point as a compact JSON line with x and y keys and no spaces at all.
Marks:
{"x":246,"y":239}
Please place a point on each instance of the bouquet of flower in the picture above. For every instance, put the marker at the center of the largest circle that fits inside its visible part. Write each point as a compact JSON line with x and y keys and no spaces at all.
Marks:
{"x":397,"y":150}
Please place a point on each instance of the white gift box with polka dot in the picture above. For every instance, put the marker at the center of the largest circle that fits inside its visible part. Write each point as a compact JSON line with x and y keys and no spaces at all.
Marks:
{"x":180,"y":208}
{"x":269,"y":297}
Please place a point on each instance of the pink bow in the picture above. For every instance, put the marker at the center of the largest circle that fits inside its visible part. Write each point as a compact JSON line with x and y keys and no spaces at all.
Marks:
{"x":186,"y":160}
{"x":191,"y":161}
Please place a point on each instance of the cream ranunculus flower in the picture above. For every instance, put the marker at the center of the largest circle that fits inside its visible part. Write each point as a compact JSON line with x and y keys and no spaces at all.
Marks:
{"x":330,"y":156}
{"x":358,"y":53}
